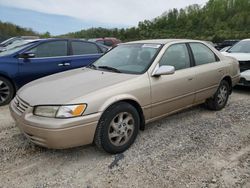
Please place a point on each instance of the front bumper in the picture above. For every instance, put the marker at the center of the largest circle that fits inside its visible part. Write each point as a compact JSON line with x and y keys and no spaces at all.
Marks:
{"x":245,"y":78}
{"x":55,"y":133}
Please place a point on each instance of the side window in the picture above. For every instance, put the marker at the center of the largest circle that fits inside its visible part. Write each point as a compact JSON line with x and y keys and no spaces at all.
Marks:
{"x":177,"y":56}
{"x":202,"y":54}
{"x":51,"y":49}
{"x":81,"y":48}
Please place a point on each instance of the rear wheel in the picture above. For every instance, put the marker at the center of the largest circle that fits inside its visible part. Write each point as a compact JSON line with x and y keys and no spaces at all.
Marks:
{"x":220,"y":98}
{"x":117,"y":128}
{"x":6,"y":91}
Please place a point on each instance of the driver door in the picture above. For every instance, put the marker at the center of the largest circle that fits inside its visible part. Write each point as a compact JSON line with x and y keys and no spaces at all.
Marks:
{"x":49,"y":59}
{"x":176,"y":91}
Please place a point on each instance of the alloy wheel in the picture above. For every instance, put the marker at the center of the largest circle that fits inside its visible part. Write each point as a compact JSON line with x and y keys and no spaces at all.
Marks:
{"x":121,"y":128}
{"x":4,"y":91}
{"x":222,"y":95}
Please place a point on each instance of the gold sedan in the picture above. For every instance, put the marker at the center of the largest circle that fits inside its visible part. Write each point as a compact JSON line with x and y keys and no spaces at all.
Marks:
{"x":135,"y":83}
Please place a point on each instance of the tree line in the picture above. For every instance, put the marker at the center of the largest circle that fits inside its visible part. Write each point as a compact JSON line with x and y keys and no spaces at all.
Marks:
{"x":8,"y":30}
{"x":216,"y":21}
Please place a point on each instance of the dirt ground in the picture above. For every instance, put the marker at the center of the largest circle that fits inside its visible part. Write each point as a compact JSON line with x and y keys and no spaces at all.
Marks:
{"x":194,"y":148}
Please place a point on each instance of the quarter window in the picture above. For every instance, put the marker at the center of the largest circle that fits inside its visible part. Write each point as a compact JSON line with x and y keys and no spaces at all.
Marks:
{"x":177,"y":56}
{"x":51,"y":49}
{"x":82,"y":48}
{"x":202,"y":54}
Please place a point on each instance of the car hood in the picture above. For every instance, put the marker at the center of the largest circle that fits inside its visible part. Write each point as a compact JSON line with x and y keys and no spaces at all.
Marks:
{"x":64,"y":87}
{"x":238,"y":56}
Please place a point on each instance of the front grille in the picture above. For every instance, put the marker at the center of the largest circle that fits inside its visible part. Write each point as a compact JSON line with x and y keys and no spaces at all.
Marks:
{"x":244,"y":65}
{"x":20,"y":105}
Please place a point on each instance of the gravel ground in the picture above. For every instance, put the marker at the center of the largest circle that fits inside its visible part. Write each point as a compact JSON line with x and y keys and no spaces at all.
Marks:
{"x":194,"y":148}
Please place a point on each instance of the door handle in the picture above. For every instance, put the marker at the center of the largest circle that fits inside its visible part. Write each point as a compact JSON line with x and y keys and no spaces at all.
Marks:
{"x":63,"y":64}
{"x":66,"y":64}
{"x":189,"y":79}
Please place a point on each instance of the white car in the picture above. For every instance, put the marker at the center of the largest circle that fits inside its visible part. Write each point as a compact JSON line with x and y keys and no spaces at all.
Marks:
{"x":241,"y":52}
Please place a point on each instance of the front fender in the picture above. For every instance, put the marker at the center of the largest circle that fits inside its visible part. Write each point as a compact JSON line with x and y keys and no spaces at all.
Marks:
{"x":116,"y":99}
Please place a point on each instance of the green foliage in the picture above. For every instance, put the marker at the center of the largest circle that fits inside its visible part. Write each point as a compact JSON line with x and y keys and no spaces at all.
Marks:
{"x":8,"y":30}
{"x":216,"y":21}
{"x":45,"y":35}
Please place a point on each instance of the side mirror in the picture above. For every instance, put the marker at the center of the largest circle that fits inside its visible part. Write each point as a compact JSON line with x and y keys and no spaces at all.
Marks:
{"x":164,"y":70}
{"x":27,"y":55}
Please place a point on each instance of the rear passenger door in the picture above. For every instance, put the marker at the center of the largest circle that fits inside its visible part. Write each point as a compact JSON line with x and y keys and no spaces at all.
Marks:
{"x":208,"y":69}
{"x":83,"y":53}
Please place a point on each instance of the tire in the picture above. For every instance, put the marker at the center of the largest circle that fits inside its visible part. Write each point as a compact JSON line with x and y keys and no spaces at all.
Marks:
{"x":117,"y":128}
{"x":220,"y":98}
{"x":7,"y":91}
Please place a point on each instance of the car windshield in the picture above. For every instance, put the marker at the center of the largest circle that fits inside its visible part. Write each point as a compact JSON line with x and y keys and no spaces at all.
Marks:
{"x":17,"y":43}
{"x":7,"y":41}
{"x":240,"y":47}
{"x":128,"y":58}
{"x":14,"y":50}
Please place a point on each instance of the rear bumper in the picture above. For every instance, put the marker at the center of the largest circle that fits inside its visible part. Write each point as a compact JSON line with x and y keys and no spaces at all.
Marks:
{"x":41,"y":131}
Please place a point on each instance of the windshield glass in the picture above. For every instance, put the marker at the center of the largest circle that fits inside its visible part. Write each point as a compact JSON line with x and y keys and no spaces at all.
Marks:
{"x":13,"y":50}
{"x":7,"y":41}
{"x":241,"y":47}
{"x":129,"y":58}
{"x":17,"y":43}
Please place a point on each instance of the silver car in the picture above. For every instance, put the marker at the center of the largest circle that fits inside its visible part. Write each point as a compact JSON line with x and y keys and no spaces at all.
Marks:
{"x":108,"y":102}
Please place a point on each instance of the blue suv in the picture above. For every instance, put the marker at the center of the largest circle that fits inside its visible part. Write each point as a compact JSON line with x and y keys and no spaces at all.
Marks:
{"x":39,"y":58}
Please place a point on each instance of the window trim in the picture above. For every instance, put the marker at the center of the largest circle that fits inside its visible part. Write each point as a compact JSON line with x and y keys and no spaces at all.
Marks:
{"x":192,"y":54}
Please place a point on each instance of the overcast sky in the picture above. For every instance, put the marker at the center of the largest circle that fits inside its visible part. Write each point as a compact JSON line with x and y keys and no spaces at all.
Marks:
{"x":109,"y":12}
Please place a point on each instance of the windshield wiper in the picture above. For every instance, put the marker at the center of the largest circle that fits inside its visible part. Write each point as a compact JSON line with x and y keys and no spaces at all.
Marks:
{"x":109,"y":68}
{"x":92,"y":66}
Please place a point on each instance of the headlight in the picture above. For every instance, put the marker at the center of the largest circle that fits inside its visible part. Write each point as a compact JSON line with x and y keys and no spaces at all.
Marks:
{"x":66,"y":111}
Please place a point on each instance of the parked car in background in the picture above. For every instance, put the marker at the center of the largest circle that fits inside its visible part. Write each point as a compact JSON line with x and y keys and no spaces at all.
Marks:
{"x":225,"y":49}
{"x":17,"y":43}
{"x":39,"y":58}
{"x":241,"y":52}
{"x":12,"y":40}
{"x":107,"y":41}
{"x":133,"y":84}
{"x":226,"y":43}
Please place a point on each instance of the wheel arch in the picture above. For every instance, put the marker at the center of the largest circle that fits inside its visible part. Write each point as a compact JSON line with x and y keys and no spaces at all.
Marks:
{"x":11,"y":81}
{"x":130,"y":100}
{"x":229,"y":80}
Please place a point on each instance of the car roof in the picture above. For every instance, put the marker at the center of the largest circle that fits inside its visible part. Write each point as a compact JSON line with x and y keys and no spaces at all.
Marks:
{"x":52,"y":39}
{"x":162,"y":41}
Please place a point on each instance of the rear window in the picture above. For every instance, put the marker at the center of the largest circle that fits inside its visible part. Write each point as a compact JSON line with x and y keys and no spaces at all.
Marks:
{"x":202,"y":54}
{"x":82,"y":48}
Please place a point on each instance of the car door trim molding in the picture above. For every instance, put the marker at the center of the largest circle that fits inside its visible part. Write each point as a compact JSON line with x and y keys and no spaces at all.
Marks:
{"x":172,"y":99}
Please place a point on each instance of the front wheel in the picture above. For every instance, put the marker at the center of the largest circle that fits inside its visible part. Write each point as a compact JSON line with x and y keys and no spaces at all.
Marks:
{"x":117,"y":129}
{"x":6,"y":91}
{"x":220,"y":98}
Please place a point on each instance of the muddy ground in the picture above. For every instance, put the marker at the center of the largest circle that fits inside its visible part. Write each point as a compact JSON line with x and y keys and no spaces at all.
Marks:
{"x":194,"y":148}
